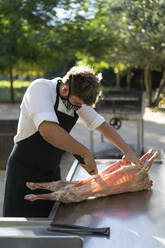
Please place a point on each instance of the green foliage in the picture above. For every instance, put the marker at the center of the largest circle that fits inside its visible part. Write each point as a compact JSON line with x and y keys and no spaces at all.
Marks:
{"x":24,"y":26}
{"x":19,"y":90}
{"x":40,"y":36}
{"x":161,"y":104}
{"x":162,"y":101}
{"x":144,"y":31}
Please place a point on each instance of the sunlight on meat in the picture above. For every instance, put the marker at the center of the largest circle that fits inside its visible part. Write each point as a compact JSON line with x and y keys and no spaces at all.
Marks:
{"x":124,"y":179}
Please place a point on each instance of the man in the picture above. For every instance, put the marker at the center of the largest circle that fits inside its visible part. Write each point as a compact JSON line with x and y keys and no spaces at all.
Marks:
{"x":49,"y":110}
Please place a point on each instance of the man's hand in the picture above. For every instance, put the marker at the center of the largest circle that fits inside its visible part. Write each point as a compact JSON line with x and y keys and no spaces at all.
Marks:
{"x":90,"y":164}
{"x":58,"y":137}
{"x":130,"y":157}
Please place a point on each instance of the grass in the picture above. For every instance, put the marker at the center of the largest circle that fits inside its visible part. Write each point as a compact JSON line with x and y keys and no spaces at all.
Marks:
{"x":16,"y":83}
{"x":19,"y":90}
{"x":21,"y":86}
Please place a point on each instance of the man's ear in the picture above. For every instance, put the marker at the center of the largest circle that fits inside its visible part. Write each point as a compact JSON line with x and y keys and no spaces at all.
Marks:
{"x":65,"y":89}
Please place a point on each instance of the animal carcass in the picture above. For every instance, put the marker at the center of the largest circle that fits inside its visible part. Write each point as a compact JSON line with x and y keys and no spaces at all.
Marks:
{"x":118,"y":178}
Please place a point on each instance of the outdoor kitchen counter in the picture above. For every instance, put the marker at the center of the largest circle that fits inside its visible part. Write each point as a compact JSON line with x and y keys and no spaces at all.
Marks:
{"x":135,"y":219}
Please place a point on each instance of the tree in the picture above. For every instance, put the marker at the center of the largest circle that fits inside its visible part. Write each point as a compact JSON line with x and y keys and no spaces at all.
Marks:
{"x":136,"y":29}
{"x":145,"y":42}
{"x":21,"y":23}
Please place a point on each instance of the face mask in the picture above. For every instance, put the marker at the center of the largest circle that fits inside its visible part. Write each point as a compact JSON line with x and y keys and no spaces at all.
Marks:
{"x":67,"y":103}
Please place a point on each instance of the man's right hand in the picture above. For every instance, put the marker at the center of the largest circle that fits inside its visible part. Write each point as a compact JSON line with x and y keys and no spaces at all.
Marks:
{"x":90,"y":164}
{"x":58,"y":137}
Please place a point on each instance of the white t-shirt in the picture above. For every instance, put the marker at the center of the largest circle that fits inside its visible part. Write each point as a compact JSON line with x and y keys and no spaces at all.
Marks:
{"x":38,"y":106}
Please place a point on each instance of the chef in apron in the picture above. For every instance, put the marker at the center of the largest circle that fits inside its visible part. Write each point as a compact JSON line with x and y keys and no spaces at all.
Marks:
{"x":49,"y":110}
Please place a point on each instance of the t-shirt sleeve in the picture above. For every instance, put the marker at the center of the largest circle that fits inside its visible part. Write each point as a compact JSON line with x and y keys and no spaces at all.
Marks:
{"x":39,"y":101}
{"x":90,"y":117}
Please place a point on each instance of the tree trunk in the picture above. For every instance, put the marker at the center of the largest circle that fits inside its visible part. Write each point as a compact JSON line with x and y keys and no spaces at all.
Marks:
{"x":150,"y":87}
{"x":118,"y":81}
{"x":159,"y":90}
{"x":1,"y":161}
{"x":65,"y":66}
{"x":11,"y":85}
{"x":129,"y":79}
{"x":147,"y":82}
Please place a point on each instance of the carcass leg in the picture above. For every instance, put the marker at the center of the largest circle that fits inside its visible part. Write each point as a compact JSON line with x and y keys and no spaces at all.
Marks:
{"x":150,"y":161}
{"x":32,"y":197}
{"x":146,"y":155}
{"x":52,"y":186}
{"x":121,"y":163}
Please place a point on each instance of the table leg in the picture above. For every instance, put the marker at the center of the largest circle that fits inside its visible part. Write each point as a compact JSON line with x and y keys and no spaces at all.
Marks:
{"x":142,"y":134}
{"x":138,"y":137}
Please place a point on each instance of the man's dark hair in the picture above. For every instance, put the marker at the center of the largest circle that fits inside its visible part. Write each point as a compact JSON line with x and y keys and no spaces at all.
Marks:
{"x":83,"y":83}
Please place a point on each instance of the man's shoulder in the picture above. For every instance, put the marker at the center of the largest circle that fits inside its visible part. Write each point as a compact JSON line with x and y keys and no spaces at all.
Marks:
{"x":41,"y":83}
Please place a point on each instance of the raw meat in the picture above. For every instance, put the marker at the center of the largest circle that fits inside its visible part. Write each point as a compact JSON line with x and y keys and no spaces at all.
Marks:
{"x":118,"y":178}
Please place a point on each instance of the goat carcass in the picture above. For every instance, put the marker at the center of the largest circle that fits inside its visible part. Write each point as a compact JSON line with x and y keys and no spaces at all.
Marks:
{"x":118,"y":178}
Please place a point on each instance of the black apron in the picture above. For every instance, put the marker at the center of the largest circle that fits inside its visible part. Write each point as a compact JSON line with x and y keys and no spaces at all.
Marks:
{"x":34,"y":160}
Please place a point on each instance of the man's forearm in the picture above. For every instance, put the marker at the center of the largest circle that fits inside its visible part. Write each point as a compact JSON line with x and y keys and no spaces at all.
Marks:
{"x":111,"y":135}
{"x":58,"y":137}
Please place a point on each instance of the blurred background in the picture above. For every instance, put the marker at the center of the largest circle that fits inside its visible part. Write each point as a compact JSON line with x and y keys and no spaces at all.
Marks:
{"x":123,"y":40}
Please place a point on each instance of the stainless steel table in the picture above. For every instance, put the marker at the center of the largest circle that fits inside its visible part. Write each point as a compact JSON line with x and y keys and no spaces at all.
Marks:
{"x":136,"y":219}
{"x":32,"y":233}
